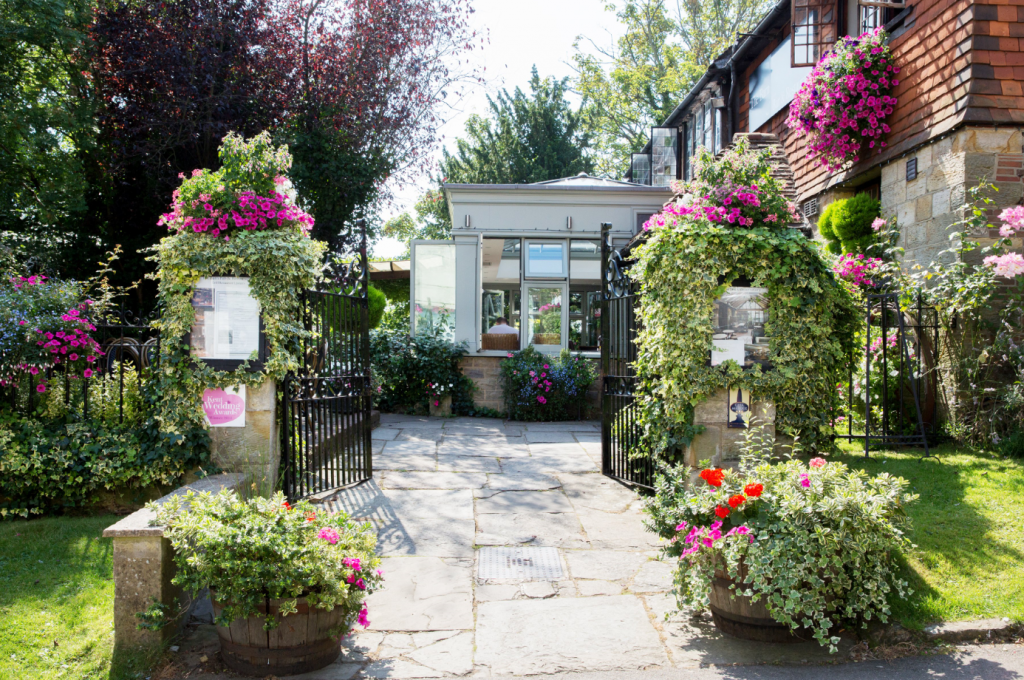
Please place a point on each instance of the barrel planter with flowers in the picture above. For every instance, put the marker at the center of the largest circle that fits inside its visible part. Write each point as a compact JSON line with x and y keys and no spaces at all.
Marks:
{"x":780,"y":548}
{"x":287,"y":581}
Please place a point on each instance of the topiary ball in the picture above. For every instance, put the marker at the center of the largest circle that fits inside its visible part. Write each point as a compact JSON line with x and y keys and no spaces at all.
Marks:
{"x":851,"y":221}
{"x":377,"y":302}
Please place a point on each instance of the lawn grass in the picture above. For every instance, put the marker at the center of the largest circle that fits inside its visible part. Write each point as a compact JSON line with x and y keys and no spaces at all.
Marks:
{"x":57,"y":599}
{"x":968,"y":525}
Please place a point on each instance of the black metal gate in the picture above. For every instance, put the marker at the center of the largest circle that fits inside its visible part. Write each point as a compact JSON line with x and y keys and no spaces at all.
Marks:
{"x":325,"y":408}
{"x":621,"y":456}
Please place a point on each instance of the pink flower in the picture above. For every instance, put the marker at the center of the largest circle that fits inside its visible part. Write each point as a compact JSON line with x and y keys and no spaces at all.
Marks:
{"x":878,"y":224}
{"x":22,"y":322}
{"x":73,"y":357}
{"x":817,"y":462}
{"x":328,"y":534}
{"x":541,"y":399}
{"x":1009,"y":265}
{"x":805,"y":481}
{"x":352,"y":562}
{"x":87,"y":373}
{"x":363,"y":620}
{"x":40,"y":387}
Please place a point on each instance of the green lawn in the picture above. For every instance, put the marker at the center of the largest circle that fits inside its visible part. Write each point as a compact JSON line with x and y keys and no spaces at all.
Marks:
{"x":56,"y":598}
{"x":968,"y":525}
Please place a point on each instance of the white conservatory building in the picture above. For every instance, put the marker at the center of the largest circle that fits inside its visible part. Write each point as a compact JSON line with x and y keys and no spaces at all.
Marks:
{"x":523,"y":267}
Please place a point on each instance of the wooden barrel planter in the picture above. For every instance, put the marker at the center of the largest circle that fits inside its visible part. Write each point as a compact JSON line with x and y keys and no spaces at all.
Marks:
{"x":301,"y":643}
{"x":736,"y":615}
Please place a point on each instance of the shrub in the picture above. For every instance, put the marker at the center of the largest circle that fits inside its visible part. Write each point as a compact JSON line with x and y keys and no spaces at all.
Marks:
{"x":541,"y":387}
{"x":377,"y":302}
{"x":47,"y":467}
{"x":411,"y":370}
{"x":1012,"y":445}
{"x":817,"y":542}
{"x":246,"y":551}
{"x":846,"y":224}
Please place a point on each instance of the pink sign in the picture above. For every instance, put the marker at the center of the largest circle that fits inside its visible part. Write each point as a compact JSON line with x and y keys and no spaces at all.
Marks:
{"x":225,"y":408}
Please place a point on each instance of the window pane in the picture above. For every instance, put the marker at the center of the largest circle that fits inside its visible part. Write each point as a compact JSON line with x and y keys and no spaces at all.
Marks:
{"x":584,"y":294}
{"x":664,"y":155}
{"x":434,"y":288}
{"x":738,"y":327}
{"x":545,"y":315}
{"x":499,"y":308}
{"x":545,"y":259}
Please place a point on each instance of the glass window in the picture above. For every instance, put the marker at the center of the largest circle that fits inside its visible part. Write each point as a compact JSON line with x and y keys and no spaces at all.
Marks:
{"x":664,"y":155}
{"x":544,"y":322}
{"x":546,"y":260}
{"x":709,"y":127}
{"x":584,"y":295}
{"x":640,"y":165}
{"x":738,"y":322}
{"x":433,"y":294}
{"x":500,"y":302}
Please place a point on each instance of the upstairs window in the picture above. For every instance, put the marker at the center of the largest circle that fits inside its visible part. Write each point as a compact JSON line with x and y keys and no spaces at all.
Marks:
{"x":814,"y":30}
{"x":664,"y":155}
{"x":640,"y":166}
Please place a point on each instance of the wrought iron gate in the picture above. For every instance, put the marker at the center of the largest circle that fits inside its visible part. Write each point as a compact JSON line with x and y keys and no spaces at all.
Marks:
{"x":621,"y":456}
{"x":325,"y":408}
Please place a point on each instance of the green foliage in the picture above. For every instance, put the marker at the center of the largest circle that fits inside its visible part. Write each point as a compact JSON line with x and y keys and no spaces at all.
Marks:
{"x":638,"y":81}
{"x":46,"y":122}
{"x":682,"y":268}
{"x":50,"y":466}
{"x":846,"y":224}
{"x":542,"y":387}
{"x":377,"y":302}
{"x":818,"y":544}
{"x":280,"y":264}
{"x":1012,"y":446}
{"x":410,"y":370}
{"x":246,"y":551}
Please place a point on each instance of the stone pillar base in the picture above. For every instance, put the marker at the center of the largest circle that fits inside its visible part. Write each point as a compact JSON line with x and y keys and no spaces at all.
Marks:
{"x":255,"y":449}
{"x":720,"y":443}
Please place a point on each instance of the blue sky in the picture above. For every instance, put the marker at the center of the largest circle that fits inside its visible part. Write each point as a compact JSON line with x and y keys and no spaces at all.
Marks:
{"x":522,"y":33}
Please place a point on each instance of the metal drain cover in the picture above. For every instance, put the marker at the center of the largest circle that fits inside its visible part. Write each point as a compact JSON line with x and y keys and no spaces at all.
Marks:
{"x":520,"y":563}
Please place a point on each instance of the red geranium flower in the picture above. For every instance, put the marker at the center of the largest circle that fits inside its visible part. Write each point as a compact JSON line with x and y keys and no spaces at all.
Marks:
{"x":286,"y":506}
{"x":753,"y":490}
{"x":722,"y":511}
{"x":713,"y":477}
{"x":737,"y":500}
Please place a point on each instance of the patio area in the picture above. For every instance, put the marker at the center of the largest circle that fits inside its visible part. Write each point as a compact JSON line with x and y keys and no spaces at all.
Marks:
{"x":446,"y":492}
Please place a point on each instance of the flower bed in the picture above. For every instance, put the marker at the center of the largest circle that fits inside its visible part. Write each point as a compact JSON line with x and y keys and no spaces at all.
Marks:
{"x":544,"y":387}
{"x":817,"y":542}
{"x":844,"y":102}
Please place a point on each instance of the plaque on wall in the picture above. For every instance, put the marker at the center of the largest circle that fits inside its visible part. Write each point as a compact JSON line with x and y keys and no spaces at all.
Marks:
{"x":227,"y":320}
{"x":739,"y":407}
{"x":225,"y":407}
{"x":738,"y":324}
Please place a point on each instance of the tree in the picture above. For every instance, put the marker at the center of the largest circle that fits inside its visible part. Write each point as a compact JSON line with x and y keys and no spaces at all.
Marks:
{"x":370,"y":75}
{"x":638,"y":81}
{"x":527,"y":138}
{"x":46,"y":121}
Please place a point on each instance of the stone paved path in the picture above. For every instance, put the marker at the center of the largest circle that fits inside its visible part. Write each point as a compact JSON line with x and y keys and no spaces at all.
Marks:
{"x":445,"y":488}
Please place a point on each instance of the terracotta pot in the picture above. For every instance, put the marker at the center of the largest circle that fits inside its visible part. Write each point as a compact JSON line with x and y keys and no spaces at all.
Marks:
{"x":301,"y":643}
{"x":443,"y":408}
{"x":738,"y":616}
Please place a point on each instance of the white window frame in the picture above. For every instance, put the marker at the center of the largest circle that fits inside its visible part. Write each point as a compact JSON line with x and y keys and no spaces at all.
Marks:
{"x":412,"y":277}
{"x":525,"y":253}
{"x":524,"y":326}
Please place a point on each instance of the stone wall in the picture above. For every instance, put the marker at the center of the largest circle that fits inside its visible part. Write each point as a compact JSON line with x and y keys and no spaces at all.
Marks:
{"x":485,"y":372}
{"x":926,"y":206}
{"x":718,"y":442}
{"x":254,"y":449}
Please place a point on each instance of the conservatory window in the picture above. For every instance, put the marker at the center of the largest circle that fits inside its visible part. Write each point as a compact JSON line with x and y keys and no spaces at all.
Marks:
{"x":584,"y":295}
{"x":501,"y":296}
{"x":546,"y":260}
{"x":433,"y":288}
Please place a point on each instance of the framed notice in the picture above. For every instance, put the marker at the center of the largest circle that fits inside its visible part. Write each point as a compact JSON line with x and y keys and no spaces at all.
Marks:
{"x":738,"y":327}
{"x":225,"y":407}
{"x":226,"y":328}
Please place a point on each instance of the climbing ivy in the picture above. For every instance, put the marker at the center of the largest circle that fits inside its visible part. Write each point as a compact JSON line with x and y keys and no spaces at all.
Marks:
{"x":686,"y":264}
{"x":280,"y":261}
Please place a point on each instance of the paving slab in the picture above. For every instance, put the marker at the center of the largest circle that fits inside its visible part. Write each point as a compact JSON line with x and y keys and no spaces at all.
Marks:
{"x":434,"y":480}
{"x":427,"y":536}
{"x":390,"y":460}
{"x":449,"y":463}
{"x":439,"y":504}
{"x":529,"y":637}
{"x":452,"y":656}
{"x":616,"y":531}
{"x":549,"y":437}
{"x":360,"y":502}
{"x":420,"y":435}
{"x":564,"y":426}
{"x":489,"y":592}
{"x":654,"y":576}
{"x":597,"y":492}
{"x":384,"y":433}
{"x":523,"y":502}
{"x":488,"y":447}
{"x":592,"y":588}
{"x":544,"y":463}
{"x":398,"y":669}
{"x":423,"y":594}
{"x":605,"y":565}
{"x":543,"y":529}
{"x":532,"y":481}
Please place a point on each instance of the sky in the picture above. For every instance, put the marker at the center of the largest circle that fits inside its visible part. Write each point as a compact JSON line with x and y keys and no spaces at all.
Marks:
{"x":522,"y":33}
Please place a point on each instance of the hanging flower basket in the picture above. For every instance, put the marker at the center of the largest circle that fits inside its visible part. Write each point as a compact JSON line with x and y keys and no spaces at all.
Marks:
{"x":843,"y":104}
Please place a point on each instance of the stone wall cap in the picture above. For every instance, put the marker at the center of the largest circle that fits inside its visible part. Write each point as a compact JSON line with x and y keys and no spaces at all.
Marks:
{"x":138,"y":524}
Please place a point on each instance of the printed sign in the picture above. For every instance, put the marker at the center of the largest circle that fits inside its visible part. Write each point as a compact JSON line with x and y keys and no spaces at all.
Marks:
{"x":225,"y":407}
{"x":738,"y":327}
{"x":227,"y":319}
{"x":739,"y":407}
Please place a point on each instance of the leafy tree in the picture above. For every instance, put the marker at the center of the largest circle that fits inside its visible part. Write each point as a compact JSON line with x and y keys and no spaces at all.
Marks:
{"x":637,"y":82}
{"x":46,"y":113}
{"x":527,"y":138}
